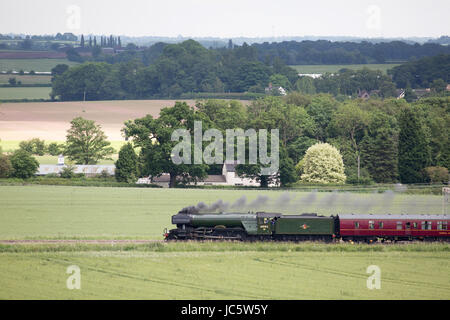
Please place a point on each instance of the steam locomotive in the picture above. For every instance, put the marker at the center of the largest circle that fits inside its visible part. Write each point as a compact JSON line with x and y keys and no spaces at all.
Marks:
{"x":262,"y":226}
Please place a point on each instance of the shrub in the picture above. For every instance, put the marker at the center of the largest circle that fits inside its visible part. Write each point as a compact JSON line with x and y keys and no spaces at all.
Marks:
{"x":24,"y":165}
{"x":6,"y":168}
{"x":323,"y":164}
{"x":68,"y":172}
{"x":437,"y":174}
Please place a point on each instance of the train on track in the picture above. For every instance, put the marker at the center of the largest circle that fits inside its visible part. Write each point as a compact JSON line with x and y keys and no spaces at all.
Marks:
{"x":262,"y":226}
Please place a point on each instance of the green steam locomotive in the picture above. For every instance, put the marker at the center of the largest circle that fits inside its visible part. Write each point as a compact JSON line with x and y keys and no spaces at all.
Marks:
{"x":192,"y":225}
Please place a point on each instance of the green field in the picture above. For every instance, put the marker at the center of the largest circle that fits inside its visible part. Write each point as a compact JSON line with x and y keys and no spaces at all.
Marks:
{"x":228,"y":270}
{"x":216,"y":274}
{"x":38,"y":65}
{"x":26,"y":79}
{"x":48,"y":212}
{"x":335,"y":68}
{"x":25,"y":93}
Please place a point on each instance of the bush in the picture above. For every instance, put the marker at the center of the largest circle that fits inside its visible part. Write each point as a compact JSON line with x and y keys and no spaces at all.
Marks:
{"x":6,"y":168}
{"x":437,"y":174}
{"x":24,"y":165}
{"x":68,"y":172}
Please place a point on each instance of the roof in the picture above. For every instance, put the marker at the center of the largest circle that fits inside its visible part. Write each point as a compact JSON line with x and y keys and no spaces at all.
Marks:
{"x":211,"y":178}
{"x":86,"y":169}
{"x":394,"y":216}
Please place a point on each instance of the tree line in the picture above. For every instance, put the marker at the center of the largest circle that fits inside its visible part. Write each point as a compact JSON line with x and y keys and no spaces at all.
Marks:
{"x":381,"y":141}
{"x":168,"y":71}
{"x":328,"y":52}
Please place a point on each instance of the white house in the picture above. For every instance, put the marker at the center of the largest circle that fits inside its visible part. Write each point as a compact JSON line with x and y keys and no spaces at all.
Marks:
{"x":227,"y":178}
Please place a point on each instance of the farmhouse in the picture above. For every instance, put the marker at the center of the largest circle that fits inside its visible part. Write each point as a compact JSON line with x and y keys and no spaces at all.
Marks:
{"x":227,"y":178}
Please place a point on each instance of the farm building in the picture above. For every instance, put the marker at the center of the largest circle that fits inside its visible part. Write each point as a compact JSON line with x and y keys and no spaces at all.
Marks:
{"x":227,"y":178}
{"x":88,"y":170}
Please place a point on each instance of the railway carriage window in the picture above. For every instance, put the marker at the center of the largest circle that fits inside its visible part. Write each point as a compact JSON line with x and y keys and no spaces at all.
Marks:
{"x":371,"y":225}
{"x":408,"y":225}
{"x":442,"y":225}
{"x":415,"y":225}
{"x":426,"y":225}
{"x":399,"y":225}
{"x":356,"y":225}
{"x":380,"y":225}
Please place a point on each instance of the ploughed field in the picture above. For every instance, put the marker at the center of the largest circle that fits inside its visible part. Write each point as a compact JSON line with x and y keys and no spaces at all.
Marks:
{"x":50,"y":120}
{"x":137,"y":269}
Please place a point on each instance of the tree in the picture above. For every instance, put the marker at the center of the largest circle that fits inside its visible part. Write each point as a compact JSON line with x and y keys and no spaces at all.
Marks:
{"x":86,"y":143}
{"x":12,"y":82}
{"x":437,"y":174}
{"x":153,"y":136}
{"x":55,"y":149}
{"x":6,"y":168}
{"x":323,"y":164}
{"x":126,"y":165}
{"x":34,"y":146}
{"x":351,"y":121}
{"x":379,"y":148}
{"x":82,"y":41}
{"x":438,"y":86}
{"x":414,"y":149}
{"x":24,"y":165}
{"x":305,"y":85}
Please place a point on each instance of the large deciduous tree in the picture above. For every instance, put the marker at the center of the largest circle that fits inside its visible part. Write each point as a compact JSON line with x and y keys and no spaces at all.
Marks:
{"x":86,"y":143}
{"x":153,"y":136}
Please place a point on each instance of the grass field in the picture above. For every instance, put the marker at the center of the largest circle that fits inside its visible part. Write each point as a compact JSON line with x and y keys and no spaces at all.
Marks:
{"x":200,"y":270}
{"x":335,"y":68}
{"x":38,"y":65}
{"x":224,"y":275}
{"x":49,"y":212}
{"x":25,"y":93}
{"x":25,"y":79}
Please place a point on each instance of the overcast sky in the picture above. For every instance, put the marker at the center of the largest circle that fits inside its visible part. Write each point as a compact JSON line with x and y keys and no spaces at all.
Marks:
{"x":228,"y":18}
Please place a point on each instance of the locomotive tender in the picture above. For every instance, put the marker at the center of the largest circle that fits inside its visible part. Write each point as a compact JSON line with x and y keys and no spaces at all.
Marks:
{"x":263,"y":226}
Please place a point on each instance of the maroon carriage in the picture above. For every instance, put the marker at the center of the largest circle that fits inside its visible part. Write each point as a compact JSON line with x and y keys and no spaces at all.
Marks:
{"x":368,"y":227}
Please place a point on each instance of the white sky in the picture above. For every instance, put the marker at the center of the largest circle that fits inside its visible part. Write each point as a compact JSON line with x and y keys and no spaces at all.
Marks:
{"x":229,"y":18}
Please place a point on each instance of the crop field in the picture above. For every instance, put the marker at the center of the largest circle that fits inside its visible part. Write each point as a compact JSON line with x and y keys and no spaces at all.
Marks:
{"x":335,"y":68}
{"x":50,"y":120}
{"x":37,"y":65}
{"x":158,"y":270}
{"x":25,"y":93}
{"x":52,"y":212}
{"x":219,"y":272}
{"x":26,"y":79}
